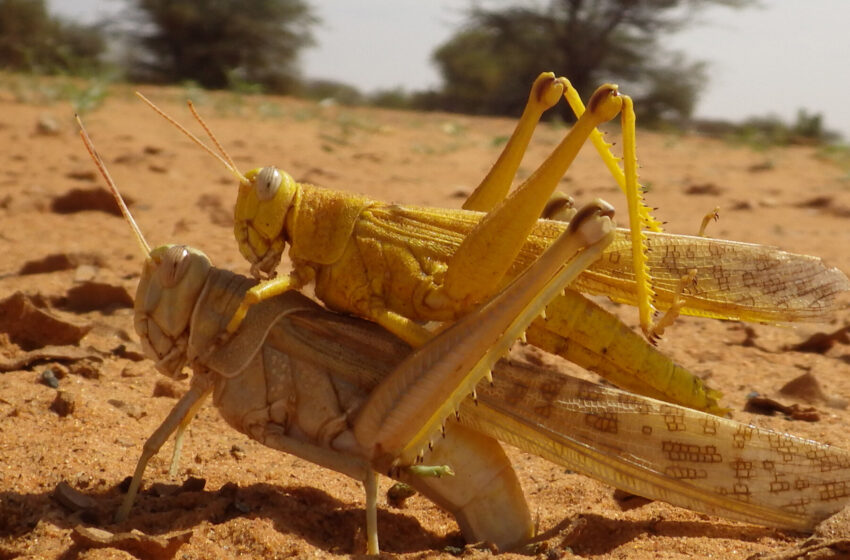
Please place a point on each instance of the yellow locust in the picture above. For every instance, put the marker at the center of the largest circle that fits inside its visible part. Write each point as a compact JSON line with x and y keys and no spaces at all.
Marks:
{"x":400,"y":266}
{"x":350,"y":396}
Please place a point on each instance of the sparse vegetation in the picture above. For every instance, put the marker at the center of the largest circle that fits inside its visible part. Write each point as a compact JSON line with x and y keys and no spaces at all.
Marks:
{"x":246,"y":45}
{"x":33,"y":41}
{"x":771,"y":130}
{"x":251,"y":47}
{"x":488,"y":64}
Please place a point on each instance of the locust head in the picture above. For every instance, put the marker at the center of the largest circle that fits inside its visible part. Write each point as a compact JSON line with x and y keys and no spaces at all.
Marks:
{"x":265,"y":197}
{"x":172,"y":279}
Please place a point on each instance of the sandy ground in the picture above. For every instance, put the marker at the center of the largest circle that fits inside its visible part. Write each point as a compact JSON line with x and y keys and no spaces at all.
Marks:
{"x":263,"y":504}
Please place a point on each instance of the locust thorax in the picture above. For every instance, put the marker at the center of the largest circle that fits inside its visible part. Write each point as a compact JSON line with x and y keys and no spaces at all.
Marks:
{"x":264,"y":201}
{"x":172,"y":279}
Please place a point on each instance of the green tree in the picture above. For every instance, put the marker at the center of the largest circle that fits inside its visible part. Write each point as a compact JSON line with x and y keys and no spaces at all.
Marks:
{"x":488,"y":65}
{"x":31,"y":40}
{"x":221,"y":43}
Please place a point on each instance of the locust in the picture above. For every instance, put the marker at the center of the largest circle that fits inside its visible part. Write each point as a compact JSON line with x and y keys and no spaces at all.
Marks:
{"x":400,"y":266}
{"x":349,"y":395}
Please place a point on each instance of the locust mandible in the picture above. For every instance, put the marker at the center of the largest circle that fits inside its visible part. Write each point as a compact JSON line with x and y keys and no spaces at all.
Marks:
{"x":346,"y":394}
{"x":398,"y":265}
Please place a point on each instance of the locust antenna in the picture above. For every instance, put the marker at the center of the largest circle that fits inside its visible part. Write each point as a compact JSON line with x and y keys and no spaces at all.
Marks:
{"x":98,"y":161}
{"x":228,"y":163}
{"x":209,"y":132}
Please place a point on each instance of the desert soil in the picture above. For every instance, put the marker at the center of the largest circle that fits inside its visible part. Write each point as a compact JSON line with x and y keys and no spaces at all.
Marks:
{"x":75,"y":265}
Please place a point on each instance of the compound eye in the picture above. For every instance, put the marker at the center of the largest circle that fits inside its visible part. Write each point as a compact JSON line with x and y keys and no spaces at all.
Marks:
{"x":173,"y":266}
{"x":267,"y":182}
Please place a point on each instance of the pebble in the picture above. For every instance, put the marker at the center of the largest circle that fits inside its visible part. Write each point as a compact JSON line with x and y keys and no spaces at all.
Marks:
{"x":399,"y":493}
{"x":193,"y":484}
{"x":64,"y":403}
{"x":165,"y":388}
{"x":71,"y":498}
{"x":237,"y":452}
{"x":48,"y":377}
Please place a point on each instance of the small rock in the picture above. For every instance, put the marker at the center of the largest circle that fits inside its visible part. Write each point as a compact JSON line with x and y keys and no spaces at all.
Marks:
{"x":742,"y":205}
{"x":836,"y":526}
{"x":193,"y":484}
{"x":132,"y":410}
{"x":628,"y":501}
{"x":85,"y":273}
{"x":47,"y":125}
{"x":48,"y":377}
{"x":163,"y":489}
{"x":136,"y":369}
{"x":83,"y":175}
{"x":124,"y":485}
{"x":59,"y":261}
{"x":85,"y":368}
{"x":228,"y":490}
{"x":24,"y":359}
{"x":165,"y":388}
{"x":807,"y":388}
{"x":64,"y":403}
{"x":131,"y":353}
{"x":135,"y":542}
{"x":72,"y":499}
{"x":96,"y":296}
{"x":237,"y":452}
{"x":815,"y":202}
{"x":821,"y":343}
{"x":31,"y":327}
{"x":704,"y":189}
{"x":804,"y":387}
{"x":399,"y":493}
{"x":763,"y":405}
{"x":80,"y":200}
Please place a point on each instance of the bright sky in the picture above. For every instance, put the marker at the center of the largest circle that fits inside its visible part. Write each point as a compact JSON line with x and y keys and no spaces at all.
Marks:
{"x":773,"y":59}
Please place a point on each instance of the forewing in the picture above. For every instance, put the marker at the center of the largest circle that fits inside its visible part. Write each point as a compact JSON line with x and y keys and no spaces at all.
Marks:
{"x":663,"y":451}
{"x":740,"y":281}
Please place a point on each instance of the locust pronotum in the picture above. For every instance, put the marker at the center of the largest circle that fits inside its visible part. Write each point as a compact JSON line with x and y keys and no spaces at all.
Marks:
{"x":397,"y":265}
{"x":348,"y":395}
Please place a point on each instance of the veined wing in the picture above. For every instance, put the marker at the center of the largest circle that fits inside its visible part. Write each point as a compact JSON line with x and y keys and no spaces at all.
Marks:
{"x":734,"y":280}
{"x":740,"y":281}
{"x":663,"y":451}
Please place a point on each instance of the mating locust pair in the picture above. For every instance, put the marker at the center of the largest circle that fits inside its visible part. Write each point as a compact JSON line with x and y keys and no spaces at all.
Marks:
{"x":399,"y":396}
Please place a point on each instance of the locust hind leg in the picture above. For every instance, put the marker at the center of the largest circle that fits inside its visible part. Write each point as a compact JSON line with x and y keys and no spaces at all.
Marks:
{"x":495,"y":186}
{"x":545,"y":92}
{"x":406,"y":410}
{"x":479,"y":264}
{"x":640,"y":217}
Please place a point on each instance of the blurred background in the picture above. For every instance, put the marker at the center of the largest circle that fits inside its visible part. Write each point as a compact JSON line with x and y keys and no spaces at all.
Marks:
{"x":766,"y":70}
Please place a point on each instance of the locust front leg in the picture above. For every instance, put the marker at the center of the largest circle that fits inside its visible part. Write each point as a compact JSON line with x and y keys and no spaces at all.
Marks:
{"x":410,"y":406}
{"x":261,"y":292}
{"x":266,"y":195}
{"x":180,"y":415}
